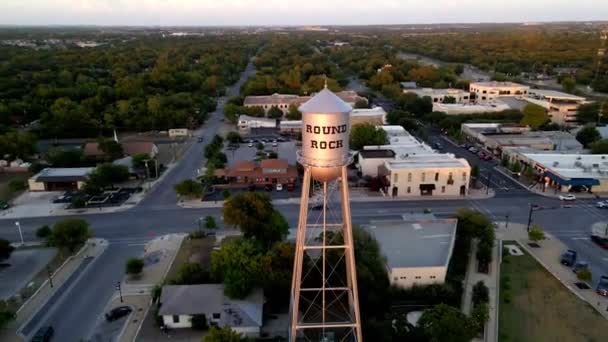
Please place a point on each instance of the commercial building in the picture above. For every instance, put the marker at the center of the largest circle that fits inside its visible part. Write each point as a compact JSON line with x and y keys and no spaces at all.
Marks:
{"x":498,"y":137}
{"x":375,"y":116}
{"x":407,"y":167}
{"x":417,"y":251}
{"x":179,"y":303}
{"x":561,"y":107}
{"x":59,"y":179}
{"x":283,"y":101}
{"x":563,"y":172}
{"x":489,"y":91}
{"x":246,"y":123}
{"x":439,"y":95}
{"x":470,"y":108}
{"x":268,"y":171}
{"x":129,"y":148}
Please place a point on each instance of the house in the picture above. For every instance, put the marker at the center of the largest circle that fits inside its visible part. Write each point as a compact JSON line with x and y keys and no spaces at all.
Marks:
{"x":269,"y":171}
{"x":417,"y":250}
{"x":491,"y":90}
{"x":59,"y":179}
{"x":131,"y":148}
{"x":178,"y":303}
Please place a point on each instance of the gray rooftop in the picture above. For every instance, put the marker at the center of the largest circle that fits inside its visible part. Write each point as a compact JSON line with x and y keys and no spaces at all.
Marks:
{"x":63,"y":174}
{"x":208,"y":299}
{"x":415,"y":243}
{"x":325,"y":102}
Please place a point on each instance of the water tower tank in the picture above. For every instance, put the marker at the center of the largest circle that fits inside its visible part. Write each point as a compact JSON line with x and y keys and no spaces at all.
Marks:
{"x":325,"y":133}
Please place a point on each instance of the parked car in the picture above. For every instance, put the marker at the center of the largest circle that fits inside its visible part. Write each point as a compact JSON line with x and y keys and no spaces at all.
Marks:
{"x":599,"y":235}
{"x":117,"y":313}
{"x":43,"y":334}
{"x":473,"y":150}
{"x":568,"y":258}
{"x":580,"y":266}
{"x":274,"y":143}
{"x":568,"y":197}
{"x":290,"y":187}
{"x":602,"y":286}
{"x":4,"y":205}
{"x":437,"y":146}
{"x":250,"y":144}
{"x":279,"y":187}
{"x":602,"y":204}
{"x":200,"y":139}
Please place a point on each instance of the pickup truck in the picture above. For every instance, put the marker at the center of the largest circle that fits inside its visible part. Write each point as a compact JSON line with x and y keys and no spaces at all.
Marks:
{"x":568,"y":258}
{"x":599,"y":234}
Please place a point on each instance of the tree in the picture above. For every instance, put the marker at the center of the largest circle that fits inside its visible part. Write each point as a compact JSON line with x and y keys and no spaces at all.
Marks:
{"x":475,"y":172}
{"x":479,"y":316}
{"x":536,"y":233}
{"x":70,"y":233}
{"x":134,"y":266}
{"x":568,"y":84}
{"x":238,"y":263}
{"x":65,"y":157}
{"x":366,"y":134}
{"x":588,"y":135}
{"x":17,"y":144}
{"x":589,"y":113}
{"x":446,"y":323}
{"x":7,"y":314}
{"x":233,"y":137}
{"x":515,"y":167}
{"x":584,"y":275}
{"x":253,"y":213}
{"x":111,"y":149}
{"x":449,"y":100}
{"x":189,"y":188}
{"x":43,"y":232}
{"x":294,"y":113}
{"x":199,"y":322}
{"x":534,"y":116}
{"x":191,"y":273}
{"x":600,"y":147}
{"x":275,"y":113}
{"x":231,"y":112}
{"x":210,"y":222}
{"x":106,"y":175}
{"x":5,"y":249}
{"x":361,"y":104}
{"x":224,"y":334}
{"x":480,"y":293}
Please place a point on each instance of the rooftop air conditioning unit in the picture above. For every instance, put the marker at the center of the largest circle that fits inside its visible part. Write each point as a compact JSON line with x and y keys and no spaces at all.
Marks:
{"x":555,"y":164}
{"x":578,"y":163}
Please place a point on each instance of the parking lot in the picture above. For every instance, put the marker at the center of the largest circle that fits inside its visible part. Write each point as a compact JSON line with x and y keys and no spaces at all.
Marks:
{"x":23,"y":265}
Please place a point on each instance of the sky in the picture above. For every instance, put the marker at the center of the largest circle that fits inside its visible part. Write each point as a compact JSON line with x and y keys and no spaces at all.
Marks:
{"x":289,"y":12}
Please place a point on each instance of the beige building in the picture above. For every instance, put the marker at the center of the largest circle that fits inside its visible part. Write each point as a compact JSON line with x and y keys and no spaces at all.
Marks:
{"x":59,"y":179}
{"x":561,"y":107}
{"x":375,"y":116}
{"x":283,"y":101}
{"x":438,"y":95}
{"x":417,"y":250}
{"x":489,"y":91}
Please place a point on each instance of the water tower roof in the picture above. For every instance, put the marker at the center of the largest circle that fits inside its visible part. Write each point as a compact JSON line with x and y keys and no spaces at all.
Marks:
{"x":325,"y":102}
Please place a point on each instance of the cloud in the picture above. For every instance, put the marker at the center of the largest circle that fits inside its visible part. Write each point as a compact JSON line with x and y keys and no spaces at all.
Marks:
{"x":281,"y":12}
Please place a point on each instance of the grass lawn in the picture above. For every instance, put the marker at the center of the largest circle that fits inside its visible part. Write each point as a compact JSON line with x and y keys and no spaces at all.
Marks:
{"x":6,"y":193}
{"x":193,"y":250}
{"x":541,"y":308}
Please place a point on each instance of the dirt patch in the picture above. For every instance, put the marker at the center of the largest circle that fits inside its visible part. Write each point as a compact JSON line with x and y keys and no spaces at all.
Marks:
{"x":193,"y":250}
{"x":7,"y":193}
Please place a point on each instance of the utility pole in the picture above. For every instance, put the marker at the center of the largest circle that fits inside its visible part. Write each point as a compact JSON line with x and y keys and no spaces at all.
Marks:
{"x":529,"y":218}
{"x":20,"y":232}
{"x":119,"y":290}
{"x":50,"y":274}
{"x":507,"y":221}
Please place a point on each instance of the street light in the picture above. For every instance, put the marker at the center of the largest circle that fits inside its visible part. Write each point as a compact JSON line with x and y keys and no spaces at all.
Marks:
{"x":50,"y":274}
{"x":20,"y":233}
{"x":119,"y":290}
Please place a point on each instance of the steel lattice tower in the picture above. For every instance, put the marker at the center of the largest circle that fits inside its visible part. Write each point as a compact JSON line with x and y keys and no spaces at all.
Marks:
{"x":324,"y":298}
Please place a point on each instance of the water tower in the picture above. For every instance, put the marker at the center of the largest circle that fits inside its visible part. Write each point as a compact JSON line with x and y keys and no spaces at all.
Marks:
{"x":324,"y":299}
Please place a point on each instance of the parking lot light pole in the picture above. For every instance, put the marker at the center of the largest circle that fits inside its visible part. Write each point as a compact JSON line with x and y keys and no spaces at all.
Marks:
{"x":506,"y":221}
{"x":20,"y":232}
{"x":529,"y":217}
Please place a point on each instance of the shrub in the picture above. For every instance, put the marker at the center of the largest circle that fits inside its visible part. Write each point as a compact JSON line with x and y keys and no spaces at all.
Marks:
{"x":480,"y":293}
{"x":43,"y":232}
{"x":134,"y":266}
{"x":17,"y":185}
{"x":584,"y":275}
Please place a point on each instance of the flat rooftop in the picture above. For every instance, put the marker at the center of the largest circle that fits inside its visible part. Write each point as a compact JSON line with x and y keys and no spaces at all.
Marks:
{"x":573,"y":165}
{"x":497,"y":84}
{"x":379,"y":153}
{"x":554,"y":94}
{"x":427,"y":161}
{"x":63,"y":174}
{"x":421,"y":92}
{"x":415,"y":243}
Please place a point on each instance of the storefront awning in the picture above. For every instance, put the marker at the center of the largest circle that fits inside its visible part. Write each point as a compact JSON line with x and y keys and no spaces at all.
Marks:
{"x":572,"y":181}
{"x":427,"y":187}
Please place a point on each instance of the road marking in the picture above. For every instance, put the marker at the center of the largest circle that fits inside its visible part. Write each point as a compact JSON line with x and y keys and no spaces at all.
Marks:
{"x":580,"y":238}
{"x":137,"y":244}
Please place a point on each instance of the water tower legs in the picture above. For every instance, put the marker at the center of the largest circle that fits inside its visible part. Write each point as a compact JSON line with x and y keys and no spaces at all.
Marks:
{"x":324,"y":294}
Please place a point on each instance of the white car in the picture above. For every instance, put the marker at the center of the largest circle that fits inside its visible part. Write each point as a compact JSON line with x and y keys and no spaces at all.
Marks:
{"x":602,"y":204}
{"x":567,"y":197}
{"x":274,"y":143}
{"x":250,"y":144}
{"x":279,"y":187}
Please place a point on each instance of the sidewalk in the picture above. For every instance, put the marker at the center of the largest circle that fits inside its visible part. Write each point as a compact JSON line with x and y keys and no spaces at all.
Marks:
{"x":475,"y":194}
{"x":548,"y":255}
{"x":92,"y":249}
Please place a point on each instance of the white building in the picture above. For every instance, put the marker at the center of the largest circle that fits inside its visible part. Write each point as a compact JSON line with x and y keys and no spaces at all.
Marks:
{"x":489,"y":91}
{"x":417,"y":251}
{"x":410,"y":168}
{"x":561,"y":107}
{"x":470,"y":108}
{"x":246,"y":123}
{"x":374,"y":116}
{"x":283,"y":101}
{"x":178,"y":303}
{"x":562,"y":172}
{"x":439,"y":95}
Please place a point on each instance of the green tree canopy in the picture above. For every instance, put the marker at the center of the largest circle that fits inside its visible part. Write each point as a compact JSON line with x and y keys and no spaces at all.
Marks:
{"x":233,"y":137}
{"x":189,"y":188}
{"x":70,"y":234}
{"x":238,"y":263}
{"x":17,"y":144}
{"x":588,"y":135}
{"x":65,"y":157}
{"x":106,"y":175}
{"x":446,"y":323}
{"x":600,"y":147}
{"x":5,"y":249}
{"x":224,"y":334}
{"x":7,"y":314}
{"x":536,"y":233}
{"x":366,"y":134}
{"x":111,"y":149}
{"x":534,"y":116}
{"x":134,"y":266}
{"x":294,"y":113}
{"x":275,"y":113}
{"x":568,"y":84}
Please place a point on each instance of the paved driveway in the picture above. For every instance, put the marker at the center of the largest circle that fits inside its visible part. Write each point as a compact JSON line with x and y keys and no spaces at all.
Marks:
{"x":25,"y":264}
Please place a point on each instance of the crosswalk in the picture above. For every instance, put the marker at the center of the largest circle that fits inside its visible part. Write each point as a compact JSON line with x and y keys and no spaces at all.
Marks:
{"x":130,"y":241}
